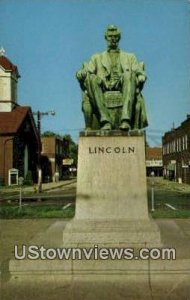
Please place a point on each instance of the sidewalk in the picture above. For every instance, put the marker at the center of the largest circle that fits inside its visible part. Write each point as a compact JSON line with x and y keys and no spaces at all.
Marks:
{"x":7,"y":193}
{"x":159,"y":184}
{"x":168,"y":185}
{"x":55,"y":185}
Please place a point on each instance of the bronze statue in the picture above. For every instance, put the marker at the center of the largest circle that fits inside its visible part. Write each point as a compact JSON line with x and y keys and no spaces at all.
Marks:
{"x":112,"y":82}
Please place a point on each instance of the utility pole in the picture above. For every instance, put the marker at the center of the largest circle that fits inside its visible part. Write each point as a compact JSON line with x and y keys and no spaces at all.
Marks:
{"x":39,"y":115}
{"x":152,"y":191}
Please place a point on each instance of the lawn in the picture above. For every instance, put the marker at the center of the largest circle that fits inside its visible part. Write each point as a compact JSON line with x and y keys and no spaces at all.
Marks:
{"x":40,"y":211}
{"x":171,"y":199}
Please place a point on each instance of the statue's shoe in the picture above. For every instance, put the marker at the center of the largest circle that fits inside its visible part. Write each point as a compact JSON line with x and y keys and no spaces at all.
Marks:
{"x":125,"y":126}
{"x":106,"y":126}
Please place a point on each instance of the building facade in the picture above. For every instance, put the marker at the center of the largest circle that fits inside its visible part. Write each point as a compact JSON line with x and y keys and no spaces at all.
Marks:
{"x":154,"y":161}
{"x":176,"y":153}
{"x":9,"y":76}
{"x":19,"y":137}
{"x":19,"y":143}
{"x":52,"y":155}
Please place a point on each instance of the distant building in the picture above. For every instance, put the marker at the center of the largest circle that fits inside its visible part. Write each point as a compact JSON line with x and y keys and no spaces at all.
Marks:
{"x":19,"y":138}
{"x":52,"y":155}
{"x":154,"y":161}
{"x":176,"y":153}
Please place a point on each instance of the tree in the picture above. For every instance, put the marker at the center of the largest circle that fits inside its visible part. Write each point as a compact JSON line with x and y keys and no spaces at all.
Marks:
{"x":72,"y":148}
{"x":50,"y":133}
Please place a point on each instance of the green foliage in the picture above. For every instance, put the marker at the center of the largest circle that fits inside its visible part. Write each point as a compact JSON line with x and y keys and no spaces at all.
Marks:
{"x":27,"y":212}
{"x":70,"y":146}
{"x":2,"y":183}
{"x":68,"y":138}
{"x":28,"y":179}
{"x":49,"y":133}
{"x":73,"y":152}
{"x":49,"y":211}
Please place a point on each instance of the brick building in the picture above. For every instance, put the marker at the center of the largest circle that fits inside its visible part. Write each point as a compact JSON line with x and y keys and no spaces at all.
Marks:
{"x":176,"y":153}
{"x":52,"y":155}
{"x":154,"y":161}
{"x":19,"y":138}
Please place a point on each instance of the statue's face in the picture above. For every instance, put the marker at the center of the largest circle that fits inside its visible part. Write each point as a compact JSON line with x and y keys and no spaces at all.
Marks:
{"x":112,"y":40}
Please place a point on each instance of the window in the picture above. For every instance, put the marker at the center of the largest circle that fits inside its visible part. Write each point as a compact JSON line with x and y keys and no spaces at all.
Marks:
{"x":42,"y":148}
{"x":167,"y":148}
{"x":183,"y":143}
{"x":164,"y":152}
{"x":186,"y":142}
{"x":56,"y":149}
{"x":179,"y":146}
{"x":174,"y":146}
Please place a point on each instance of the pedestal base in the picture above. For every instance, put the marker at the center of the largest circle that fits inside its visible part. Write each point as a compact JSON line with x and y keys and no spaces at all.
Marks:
{"x":111,"y":179}
{"x":87,"y":233}
{"x":111,"y":204}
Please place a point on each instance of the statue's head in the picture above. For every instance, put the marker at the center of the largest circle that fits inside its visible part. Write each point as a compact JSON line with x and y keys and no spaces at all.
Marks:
{"x":112,"y":36}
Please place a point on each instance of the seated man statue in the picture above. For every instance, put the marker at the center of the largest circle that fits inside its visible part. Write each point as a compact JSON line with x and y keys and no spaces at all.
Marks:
{"x":111,"y":83}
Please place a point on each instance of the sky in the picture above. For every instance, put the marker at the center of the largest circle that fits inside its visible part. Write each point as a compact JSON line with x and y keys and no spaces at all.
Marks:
{"x":50,"y":39}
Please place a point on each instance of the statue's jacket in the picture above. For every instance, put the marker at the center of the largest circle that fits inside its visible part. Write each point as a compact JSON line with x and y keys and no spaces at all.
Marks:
{"x":100,"y":65}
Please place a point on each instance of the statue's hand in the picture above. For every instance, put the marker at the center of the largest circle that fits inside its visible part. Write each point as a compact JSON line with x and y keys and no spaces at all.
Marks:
{"x":81,"y":75}
{"x":141,"y":78}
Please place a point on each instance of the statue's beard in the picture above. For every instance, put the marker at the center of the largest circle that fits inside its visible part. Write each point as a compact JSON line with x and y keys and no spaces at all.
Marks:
{"x":113,"y":45}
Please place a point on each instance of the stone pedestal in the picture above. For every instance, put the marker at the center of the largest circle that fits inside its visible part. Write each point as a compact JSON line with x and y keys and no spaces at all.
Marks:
{"x":111,"y":204}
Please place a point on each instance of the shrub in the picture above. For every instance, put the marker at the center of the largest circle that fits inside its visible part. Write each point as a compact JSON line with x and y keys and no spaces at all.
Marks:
{"x":28,"y":179}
